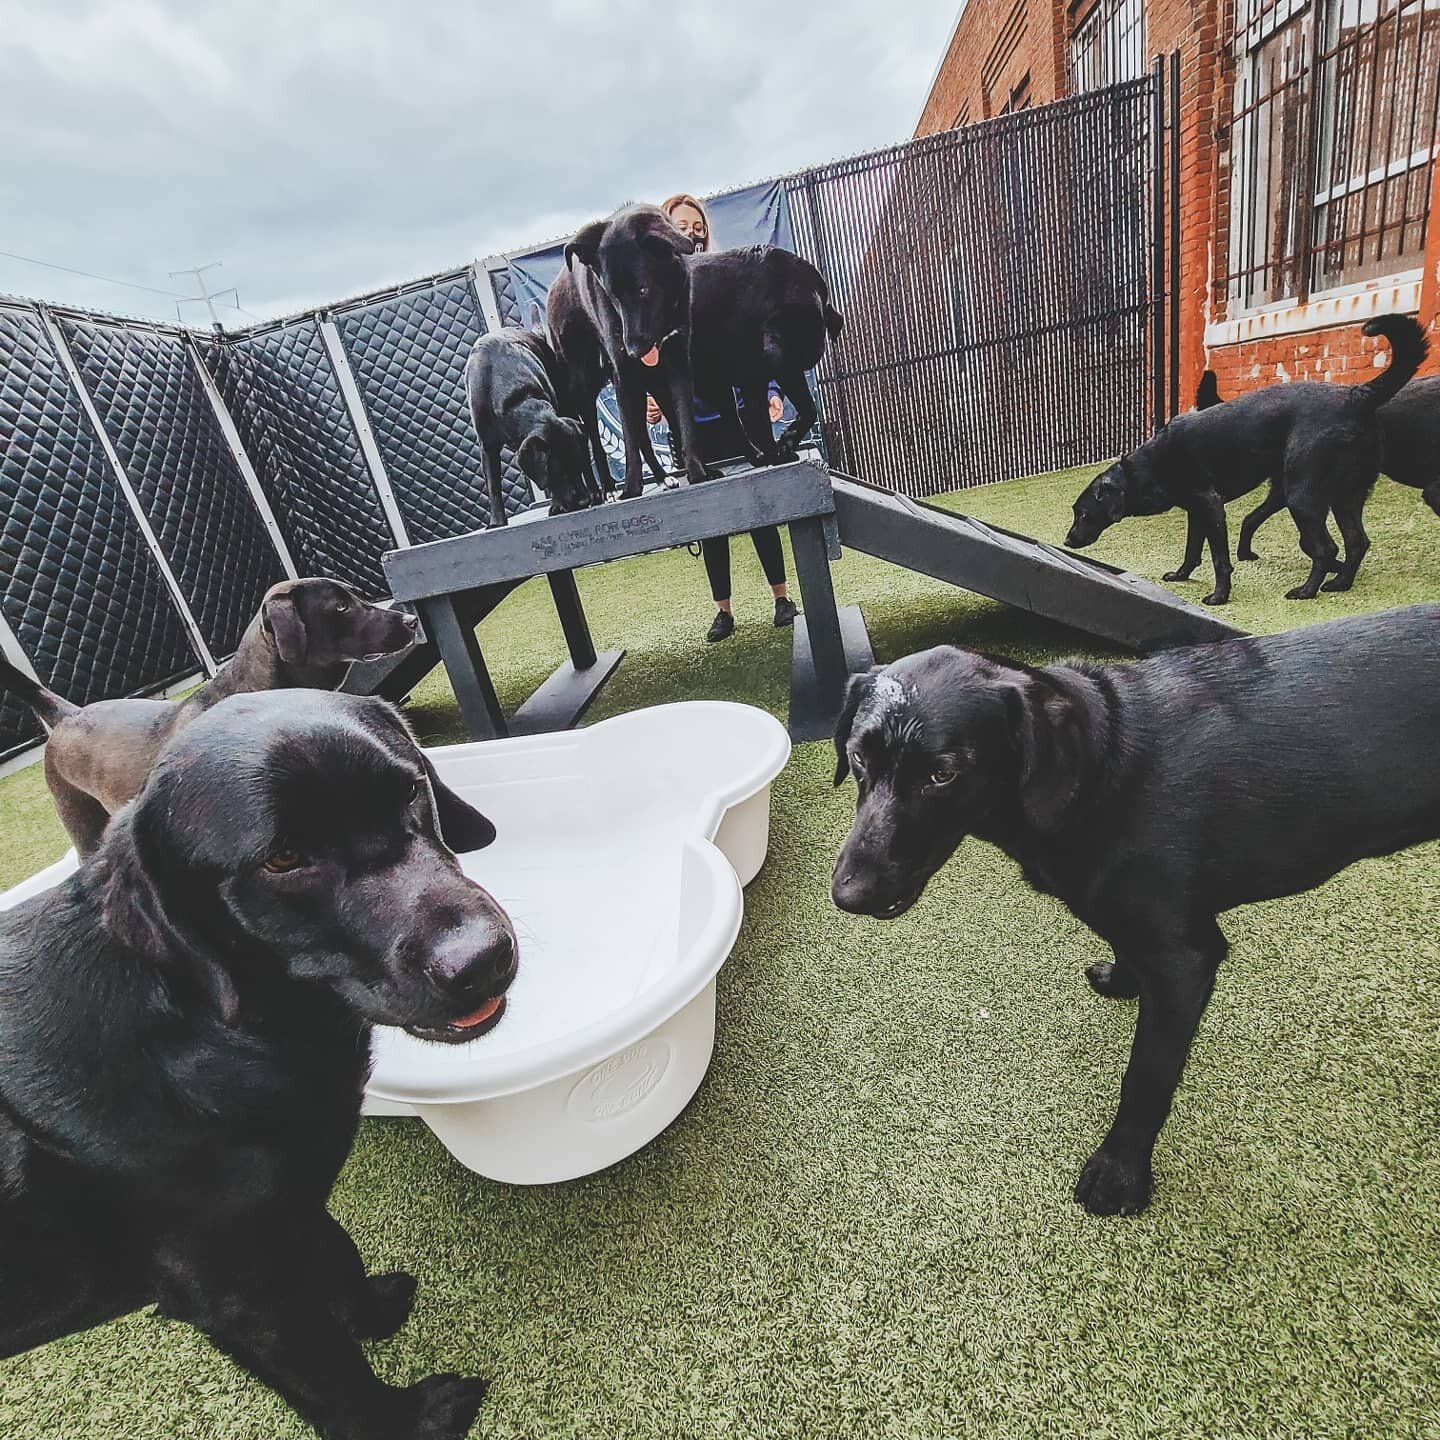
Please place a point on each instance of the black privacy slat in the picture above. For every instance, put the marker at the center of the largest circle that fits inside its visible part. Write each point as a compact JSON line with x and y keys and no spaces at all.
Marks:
{"x":160,"y":421}
{"x":281,"y":390}
{"x":77,"y":584}
{"x":408,"y":354}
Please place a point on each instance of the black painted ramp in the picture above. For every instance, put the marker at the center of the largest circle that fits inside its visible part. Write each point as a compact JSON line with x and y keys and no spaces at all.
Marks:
{"x":1020,"y":571}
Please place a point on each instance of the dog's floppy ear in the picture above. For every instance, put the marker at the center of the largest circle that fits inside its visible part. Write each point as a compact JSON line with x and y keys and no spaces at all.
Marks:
{"x":860,"y":686}
{"x":141,"y":912}
{"x":1207,"y":393}
{"x":585,"y":243}
{"x":1053,"y":740}
{"x":530,"y":457}
{"x":462,"y":827}
{"x":281,"y":620}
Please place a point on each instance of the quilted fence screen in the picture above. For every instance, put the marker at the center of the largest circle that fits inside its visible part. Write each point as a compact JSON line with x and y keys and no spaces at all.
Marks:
{"x":158,"y":417}
{"x":283,"y":395}
{"x":77,"y":585}
{"x":408,"y":354}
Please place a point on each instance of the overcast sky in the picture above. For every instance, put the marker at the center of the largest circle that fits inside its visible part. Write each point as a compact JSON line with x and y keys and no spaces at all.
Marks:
{"x":324,"y":147}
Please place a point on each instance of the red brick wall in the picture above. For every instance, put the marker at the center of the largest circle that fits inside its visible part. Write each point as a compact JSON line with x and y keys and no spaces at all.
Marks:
{"x":995,"y":45}
{"x":1341,"y":354}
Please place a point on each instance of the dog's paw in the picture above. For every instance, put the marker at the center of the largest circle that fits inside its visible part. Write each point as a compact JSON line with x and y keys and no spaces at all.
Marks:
{"x":1301,"y":592}
{"x":1112,"y":1184}
{"x":1114,"y":981}
{"x":632,"y":492}
{"x":389,"y":1298}
{"x":1176,"y":575}
{"x":1337,"y":582}
{"x":1246,"y":553}
{"x":446,"y":1407}
{"x":1216,"y":597}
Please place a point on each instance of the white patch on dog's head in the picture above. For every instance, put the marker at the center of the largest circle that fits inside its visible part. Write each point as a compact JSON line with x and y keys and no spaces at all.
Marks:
{"x":888,"y":708}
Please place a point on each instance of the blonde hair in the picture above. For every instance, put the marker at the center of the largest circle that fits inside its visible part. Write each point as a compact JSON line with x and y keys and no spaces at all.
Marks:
{"x":671,"y":205}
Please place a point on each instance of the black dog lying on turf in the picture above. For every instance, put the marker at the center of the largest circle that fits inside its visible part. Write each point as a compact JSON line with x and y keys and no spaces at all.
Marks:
{"x":1149,"y":798}
{"x":184,"y":1037}
{"x":624,"y":299}
{"x":757,"y":315}
{"x":1409,"y":449}
{"x":1319,"y":444}
{"x":514,"y":384}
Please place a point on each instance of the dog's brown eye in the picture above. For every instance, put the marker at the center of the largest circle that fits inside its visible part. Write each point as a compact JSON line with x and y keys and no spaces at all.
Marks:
{"x":341,"y":609}
{"x":941,"y":776}
{"x":282,"y":861}
{"x":414,"y":792}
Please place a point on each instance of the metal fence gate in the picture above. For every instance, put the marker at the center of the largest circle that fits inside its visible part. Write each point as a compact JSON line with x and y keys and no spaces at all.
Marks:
{"x":1003,"y":287}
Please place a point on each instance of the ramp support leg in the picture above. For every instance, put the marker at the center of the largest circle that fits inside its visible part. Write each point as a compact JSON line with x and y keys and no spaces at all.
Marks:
{"x":818,"y":693}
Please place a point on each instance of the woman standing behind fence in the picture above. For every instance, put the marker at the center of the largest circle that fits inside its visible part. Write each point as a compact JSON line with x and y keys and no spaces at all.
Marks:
{"x":719,"y":438}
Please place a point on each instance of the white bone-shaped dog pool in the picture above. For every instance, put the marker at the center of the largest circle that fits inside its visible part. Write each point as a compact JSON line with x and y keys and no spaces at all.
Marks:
{"x":620,"y":855}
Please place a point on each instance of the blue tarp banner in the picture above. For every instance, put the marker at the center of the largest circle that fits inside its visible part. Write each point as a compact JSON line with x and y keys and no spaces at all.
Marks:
{"x":757,"y":216}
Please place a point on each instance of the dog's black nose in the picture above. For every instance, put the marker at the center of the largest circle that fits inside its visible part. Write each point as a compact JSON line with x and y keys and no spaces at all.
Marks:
{"x":412,"y":623}
{"x":847,"y":892}
{"x":471,"y":958}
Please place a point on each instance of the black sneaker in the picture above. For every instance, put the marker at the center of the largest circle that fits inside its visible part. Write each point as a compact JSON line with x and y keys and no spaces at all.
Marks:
{"x":722,"y":628}
{"x":785,"y":612}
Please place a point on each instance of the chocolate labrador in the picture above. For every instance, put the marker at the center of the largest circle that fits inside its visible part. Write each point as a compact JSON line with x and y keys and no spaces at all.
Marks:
{"x":1148,"y":798}
{"x":185,"y":1035}
{"x":307,"y":634}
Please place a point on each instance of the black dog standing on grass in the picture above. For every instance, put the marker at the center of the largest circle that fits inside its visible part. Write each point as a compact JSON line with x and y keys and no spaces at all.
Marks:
{"x":514,"y":384}
{"x":1318,"y":444}
{"x":1149,"y":798}
{"x":1409,"y":446}
{"x":185,"y":1034}
{"x":628,"y":286}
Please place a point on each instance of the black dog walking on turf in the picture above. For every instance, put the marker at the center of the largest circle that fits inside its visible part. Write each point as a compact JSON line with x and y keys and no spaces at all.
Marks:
{"x":1149,"y":798}
{"x":1319,"y":444}
{"x":514,"y":383}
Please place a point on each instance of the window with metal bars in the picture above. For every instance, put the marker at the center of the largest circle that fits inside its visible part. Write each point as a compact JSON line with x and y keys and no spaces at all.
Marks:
{"x":1331,"y":145}
{"x":1107,"y":44}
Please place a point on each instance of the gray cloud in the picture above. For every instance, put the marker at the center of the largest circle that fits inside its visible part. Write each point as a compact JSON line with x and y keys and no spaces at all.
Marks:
{"x":321,"y":150}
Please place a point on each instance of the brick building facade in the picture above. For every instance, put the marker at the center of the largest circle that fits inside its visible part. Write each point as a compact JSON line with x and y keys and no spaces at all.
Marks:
{"x":1307,"y":158}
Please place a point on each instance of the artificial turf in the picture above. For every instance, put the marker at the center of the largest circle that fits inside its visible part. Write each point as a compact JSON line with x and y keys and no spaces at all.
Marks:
{"x":862,"y":1226}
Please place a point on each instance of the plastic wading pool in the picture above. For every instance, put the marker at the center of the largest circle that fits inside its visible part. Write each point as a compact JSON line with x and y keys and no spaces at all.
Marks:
{"x":620,"y":854}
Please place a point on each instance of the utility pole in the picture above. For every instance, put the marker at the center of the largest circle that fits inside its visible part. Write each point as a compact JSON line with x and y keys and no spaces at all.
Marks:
{"x":207,"y":297}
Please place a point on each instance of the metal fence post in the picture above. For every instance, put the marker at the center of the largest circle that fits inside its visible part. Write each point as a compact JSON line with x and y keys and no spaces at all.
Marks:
{"x":345,"y":377}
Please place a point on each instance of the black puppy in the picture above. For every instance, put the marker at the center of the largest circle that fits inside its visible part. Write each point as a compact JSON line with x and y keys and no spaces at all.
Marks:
{"x":627,"y":285}
{"x":1318,"y":443}
{"x":1409,"y":449}
{"x":1149,"y":798}
{"x":757,"y":315}
{"x":514,"y":384}
{"x":185,"y":1034}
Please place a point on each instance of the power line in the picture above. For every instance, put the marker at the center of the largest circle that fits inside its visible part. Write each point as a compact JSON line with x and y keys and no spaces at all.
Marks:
{"x":90,"y":275}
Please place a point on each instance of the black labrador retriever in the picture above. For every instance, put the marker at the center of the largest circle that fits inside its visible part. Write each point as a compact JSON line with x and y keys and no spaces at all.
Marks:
{"x":1319,"y":444}
{"x":184,"y":1037}
{"x":1148,"y":798}
{"x":516,"y":388}
{"x":1409,"y":449}
{"x":757,"y":315}
{"x":625,"y":297}
{"x":307,"y":634}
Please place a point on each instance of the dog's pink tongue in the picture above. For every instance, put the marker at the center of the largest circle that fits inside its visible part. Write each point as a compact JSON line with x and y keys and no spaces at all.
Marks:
{"x":651,"y":356}
{"x":479,"y":1017}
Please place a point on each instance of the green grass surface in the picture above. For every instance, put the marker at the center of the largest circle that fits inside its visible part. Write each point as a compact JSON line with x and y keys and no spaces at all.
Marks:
{"x":862,"y":1226}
